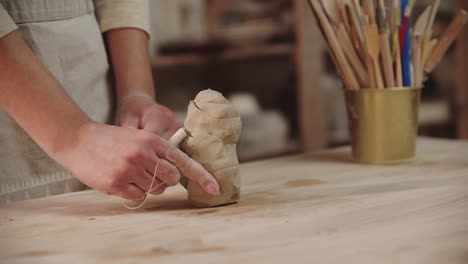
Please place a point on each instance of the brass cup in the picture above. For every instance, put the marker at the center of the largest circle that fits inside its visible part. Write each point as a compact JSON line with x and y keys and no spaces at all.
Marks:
{"x":383,"y":124}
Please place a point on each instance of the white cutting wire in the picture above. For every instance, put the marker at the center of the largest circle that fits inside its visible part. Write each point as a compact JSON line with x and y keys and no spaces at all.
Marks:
{"x":151,"y":189}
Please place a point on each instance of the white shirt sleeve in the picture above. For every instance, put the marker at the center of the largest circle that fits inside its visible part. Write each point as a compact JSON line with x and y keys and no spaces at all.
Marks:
{"x":6,"y":23}
{"x":113,"y":14}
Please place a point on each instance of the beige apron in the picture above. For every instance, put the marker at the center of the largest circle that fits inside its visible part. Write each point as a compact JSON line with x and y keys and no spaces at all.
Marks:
{"x":65,"y":36}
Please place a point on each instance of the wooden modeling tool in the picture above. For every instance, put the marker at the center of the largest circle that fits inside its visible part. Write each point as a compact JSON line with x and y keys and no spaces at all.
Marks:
{"x":368,"y":59}
{"x":369,"y":9}
{"x":332,"y":11}
{"x":418,"y":48}
{"x":357,"y":31}
{"x":398,"y":69}
{"x":430,"y":23}
{"x":330,"y":37}
{"x":374,"y":44}
{"x":330,"y":51}
{"x":417,"y":63}
{"x":385,"y":45}
{"x":422,"y":21}
{"x":327,"y":44}
{"x":357,"y":7}
{"x":428,"y":51}
{"x":373,"y":49}
{"x":420,"y":28}
{"x":447,"y":39}
{"x":343,"y":15}
{"x":352,"y":56}
{"x":396,"y":53}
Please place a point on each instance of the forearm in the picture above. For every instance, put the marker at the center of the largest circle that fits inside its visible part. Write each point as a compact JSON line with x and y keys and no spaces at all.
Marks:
{"x":31,"y":95}
{"x":128,"y":50}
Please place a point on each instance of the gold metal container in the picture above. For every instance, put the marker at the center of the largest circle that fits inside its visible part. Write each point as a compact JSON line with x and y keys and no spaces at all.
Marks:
{"x":383,"y":124}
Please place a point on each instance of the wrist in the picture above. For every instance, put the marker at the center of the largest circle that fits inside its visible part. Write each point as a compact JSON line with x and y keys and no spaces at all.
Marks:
{"x":71,"y":136}
{"x":136,"y":95}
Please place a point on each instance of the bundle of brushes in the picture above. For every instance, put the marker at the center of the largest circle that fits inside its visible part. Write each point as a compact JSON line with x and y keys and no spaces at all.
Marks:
{"x":374,"y":43}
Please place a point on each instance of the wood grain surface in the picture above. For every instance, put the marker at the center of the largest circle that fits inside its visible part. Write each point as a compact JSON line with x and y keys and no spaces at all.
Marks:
{"x":313,"y":208}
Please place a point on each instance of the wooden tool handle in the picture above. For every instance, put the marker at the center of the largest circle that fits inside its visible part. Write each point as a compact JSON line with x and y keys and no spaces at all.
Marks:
{"x":417,"y":60}
{"x":435,"y":7}
{"x":369,"y":9}
{"x":357,"y":31}
{"x":446,"y":40}
{"x":334,"y":46}
{"x":352,"y":55}
{"x":429,"y":49}
{"x":373,"y":48}
{"x":398,"y":69}
{"x":178,"y":137}
{"x":378,"y":74}
{"x":387,"y":61}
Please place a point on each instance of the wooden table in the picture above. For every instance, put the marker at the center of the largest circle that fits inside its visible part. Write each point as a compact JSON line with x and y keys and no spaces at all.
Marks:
{"x":314,"y":207}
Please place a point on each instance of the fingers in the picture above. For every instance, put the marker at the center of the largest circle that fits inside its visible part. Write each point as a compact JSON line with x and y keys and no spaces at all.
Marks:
{"x":131,"y":192}
{"x":156,"y":120}
{"x":187,"y":166}
{"x":159,"y":188}
{"x":133,"y":175}
{"x":161,"y":121}
{"x":166,"y":175}
{"x":193,"y":170}
{"x":135,"y":193}
{"x":166,"y":172}
{"x":142,"y":179}
{"x":155,"y":126}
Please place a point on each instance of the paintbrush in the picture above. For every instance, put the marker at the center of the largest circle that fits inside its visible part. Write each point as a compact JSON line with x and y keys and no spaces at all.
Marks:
{"x":447,"y":39}
{"x":382,"y":23}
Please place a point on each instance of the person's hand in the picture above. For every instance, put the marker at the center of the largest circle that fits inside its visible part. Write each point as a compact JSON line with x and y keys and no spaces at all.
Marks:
{"x":121,"y":161}
{"x":140,"y":111}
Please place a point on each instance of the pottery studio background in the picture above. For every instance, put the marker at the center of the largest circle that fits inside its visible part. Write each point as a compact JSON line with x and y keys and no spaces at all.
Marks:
{"x":269,"y":59}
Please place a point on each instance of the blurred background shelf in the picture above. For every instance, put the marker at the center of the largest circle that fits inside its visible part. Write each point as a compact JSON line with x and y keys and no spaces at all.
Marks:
{"x":230,"y":54}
